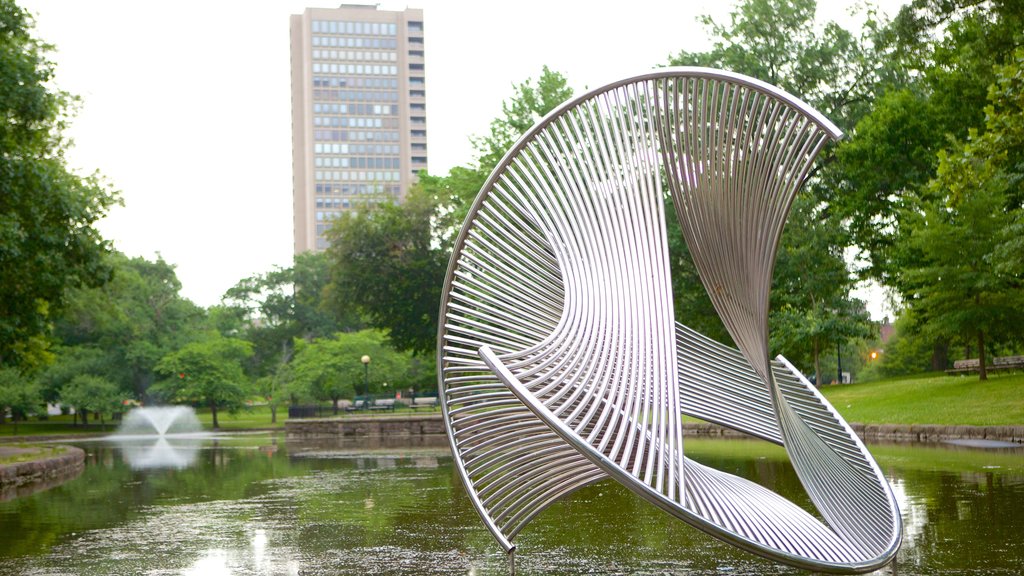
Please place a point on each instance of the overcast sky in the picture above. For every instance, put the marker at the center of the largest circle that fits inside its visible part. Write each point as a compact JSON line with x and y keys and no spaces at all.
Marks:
{"x":185,"y":106}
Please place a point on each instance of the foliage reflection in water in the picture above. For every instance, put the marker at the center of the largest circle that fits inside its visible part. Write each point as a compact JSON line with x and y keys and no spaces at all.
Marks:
{"x":254,"y":505}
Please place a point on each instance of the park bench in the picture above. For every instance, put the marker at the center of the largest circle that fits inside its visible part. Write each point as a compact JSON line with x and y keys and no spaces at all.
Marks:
{"x":383,"y":404}
{"x":424,"y":402}
{"x":1000,"y":363}
{"x":359,"y":404}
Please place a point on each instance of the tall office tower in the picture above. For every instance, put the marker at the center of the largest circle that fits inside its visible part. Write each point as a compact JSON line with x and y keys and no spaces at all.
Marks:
{"x":359,"y":115}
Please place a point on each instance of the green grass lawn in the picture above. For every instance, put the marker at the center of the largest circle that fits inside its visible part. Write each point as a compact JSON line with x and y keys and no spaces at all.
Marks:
{"x":933,"y":399}
{"x":244,"y":419}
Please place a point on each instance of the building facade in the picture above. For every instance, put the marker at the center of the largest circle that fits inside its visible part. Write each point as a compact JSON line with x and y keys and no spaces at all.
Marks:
{"x":359,"y":122}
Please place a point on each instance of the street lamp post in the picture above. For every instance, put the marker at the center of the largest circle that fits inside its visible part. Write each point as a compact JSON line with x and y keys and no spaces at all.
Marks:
{"x":366,"y":373}
{"x":839,"y":363}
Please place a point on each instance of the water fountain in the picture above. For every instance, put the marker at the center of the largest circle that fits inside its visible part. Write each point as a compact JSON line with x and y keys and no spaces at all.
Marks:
{"x":160,"y":437}
{"x":160,"y":421}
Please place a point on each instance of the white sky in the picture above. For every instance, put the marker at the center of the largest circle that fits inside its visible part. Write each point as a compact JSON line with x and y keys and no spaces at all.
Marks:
{"x":186,"y":105}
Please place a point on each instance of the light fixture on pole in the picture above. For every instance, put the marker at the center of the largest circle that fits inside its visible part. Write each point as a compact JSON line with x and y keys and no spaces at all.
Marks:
{"x":366,"y":373}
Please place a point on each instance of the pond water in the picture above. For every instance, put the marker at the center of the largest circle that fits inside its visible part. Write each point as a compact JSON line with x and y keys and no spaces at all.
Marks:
{"x":258,"y":505}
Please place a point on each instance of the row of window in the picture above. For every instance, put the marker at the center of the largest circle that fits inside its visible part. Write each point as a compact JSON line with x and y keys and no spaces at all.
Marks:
{"x":355,"y":55}
{"x":350,"y":189}
{"x":346,"y":122}
{"x":355,"y":176}
{"x":336,"y":82}
{"x":354,"y":136}
{"x":358,"y":162}
{"x":370,"y":69}
{"x":362,"y":28}
{"x":321,"y":216}
{"x":376,"y":109}
{"x":336,"y":42}
{"x":355,"y":96}
{"x":417,"y":94}
{"x":358,"y":148}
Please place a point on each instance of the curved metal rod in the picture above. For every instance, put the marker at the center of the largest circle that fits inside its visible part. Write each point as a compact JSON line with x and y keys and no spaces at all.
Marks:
{"x":560,"y":358}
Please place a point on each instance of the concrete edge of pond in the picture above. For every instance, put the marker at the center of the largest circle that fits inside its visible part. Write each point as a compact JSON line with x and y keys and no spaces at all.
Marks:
{"x":23,"y":478}
{"x":421,"y":424}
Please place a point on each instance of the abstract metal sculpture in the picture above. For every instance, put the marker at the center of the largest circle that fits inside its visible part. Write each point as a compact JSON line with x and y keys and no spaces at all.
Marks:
{"x":560,"y":360}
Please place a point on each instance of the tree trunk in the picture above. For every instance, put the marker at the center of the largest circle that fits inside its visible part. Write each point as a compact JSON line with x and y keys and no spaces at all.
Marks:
{"x":982,"y":373}
{"x":335,"y":402}
{"x":85,"y":418}
{"x":817,"y":365}
{"x":940,"y":356}
{"x":213,"y":411}
{"x":273,"y":414}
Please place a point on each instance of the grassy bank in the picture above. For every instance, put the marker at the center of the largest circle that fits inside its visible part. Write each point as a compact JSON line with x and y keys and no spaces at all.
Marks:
{"x":20,"y":452}
{"x":926,"y":399}
{"x":931,"y":399}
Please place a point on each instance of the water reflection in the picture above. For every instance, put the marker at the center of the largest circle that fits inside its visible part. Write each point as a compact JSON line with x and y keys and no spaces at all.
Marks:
{"x":255,"y":506}
{"x":154,"y":452}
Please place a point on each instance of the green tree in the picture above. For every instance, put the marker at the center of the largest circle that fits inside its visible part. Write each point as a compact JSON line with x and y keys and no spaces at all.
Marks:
{"x":47,"y":240}
{"x":276,"y":307}
{"x":88,"y":393}
{"x":18,"y":394}
{"x":332,"y":368}
{"x":70,"y":361}
{"x":387,"y":263}
{"x":208,"y":373}
{"x":968,"y":282}
{"x":132,"y":322}
{"x":946,"y":50}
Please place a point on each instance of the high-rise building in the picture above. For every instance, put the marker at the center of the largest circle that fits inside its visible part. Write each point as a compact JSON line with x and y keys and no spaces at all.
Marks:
{"x":359,"y":115}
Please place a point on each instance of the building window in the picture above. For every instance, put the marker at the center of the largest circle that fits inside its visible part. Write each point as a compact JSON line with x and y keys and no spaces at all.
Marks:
{"x":415,"y":26}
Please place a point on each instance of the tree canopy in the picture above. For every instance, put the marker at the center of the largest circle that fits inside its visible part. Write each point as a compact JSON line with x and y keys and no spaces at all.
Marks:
{"x":207,"y":372}
{"x":47,"y":240}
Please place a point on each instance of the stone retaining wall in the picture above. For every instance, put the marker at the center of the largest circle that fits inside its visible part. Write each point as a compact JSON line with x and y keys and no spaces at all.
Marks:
{"x":23,"y":478}
{"x":412,"y":425}
{"x":417,"y":424}
{"x":894,"y":432}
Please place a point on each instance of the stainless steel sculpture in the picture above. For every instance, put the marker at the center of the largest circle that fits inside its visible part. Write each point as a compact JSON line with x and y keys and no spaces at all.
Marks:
{"x":561,"y":362}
